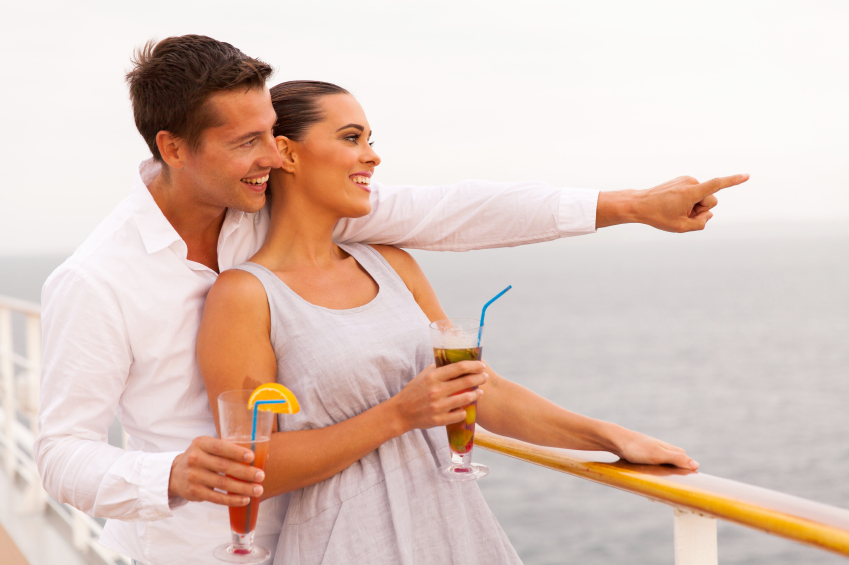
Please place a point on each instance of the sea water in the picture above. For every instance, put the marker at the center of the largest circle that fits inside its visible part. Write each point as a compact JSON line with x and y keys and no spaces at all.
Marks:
{"x":732,"y":343}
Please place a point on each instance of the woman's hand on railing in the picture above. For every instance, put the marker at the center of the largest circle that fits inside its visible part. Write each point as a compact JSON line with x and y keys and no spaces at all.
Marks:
{"x":639,"y":448}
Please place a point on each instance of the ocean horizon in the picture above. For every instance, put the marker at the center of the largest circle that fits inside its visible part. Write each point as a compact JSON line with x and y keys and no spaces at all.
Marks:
{"x":732,"y":343}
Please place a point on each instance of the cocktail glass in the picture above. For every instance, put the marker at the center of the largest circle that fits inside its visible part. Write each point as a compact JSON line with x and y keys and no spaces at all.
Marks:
{"x":236,"y":422}
{"x":454,"y":340}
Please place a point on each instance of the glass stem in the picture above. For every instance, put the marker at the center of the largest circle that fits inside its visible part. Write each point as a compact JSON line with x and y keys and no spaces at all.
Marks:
{"x":242,"y":542}
{"x":462,"y":461}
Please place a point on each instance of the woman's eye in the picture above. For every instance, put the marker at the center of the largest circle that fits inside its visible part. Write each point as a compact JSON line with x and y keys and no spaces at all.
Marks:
{"x":371,"y":143}
{"x":354,"y":137}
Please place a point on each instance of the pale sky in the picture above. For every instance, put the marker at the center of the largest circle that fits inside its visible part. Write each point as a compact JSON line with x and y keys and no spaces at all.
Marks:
{"x":606,"y":95}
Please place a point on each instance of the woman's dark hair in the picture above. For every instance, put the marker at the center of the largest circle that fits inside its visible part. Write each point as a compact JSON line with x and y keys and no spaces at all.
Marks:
{"x":296,"y":104}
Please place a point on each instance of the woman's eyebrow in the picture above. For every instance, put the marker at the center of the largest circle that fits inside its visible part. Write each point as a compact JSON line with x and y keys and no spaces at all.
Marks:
{"x":355,"y":126}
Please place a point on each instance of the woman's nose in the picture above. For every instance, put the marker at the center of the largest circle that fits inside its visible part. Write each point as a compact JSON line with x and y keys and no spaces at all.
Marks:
{"x":371,"y":157}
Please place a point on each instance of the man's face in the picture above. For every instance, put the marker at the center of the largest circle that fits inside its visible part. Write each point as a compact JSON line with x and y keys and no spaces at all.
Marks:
{"x":231,"y":166}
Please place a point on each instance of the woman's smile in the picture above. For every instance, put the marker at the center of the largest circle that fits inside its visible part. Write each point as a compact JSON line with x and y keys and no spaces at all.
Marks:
{"x":362,"y":179}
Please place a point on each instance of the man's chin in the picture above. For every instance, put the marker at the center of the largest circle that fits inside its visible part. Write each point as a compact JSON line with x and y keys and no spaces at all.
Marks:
{"x":250,"y":205}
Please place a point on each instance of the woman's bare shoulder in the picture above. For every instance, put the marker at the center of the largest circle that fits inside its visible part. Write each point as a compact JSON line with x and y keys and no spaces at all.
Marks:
{"x":237,"y":288}
{"x":403,"y":263}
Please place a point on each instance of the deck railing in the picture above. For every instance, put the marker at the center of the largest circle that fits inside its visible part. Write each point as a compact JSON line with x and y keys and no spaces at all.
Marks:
{"x":697,"y":499}
{"x":20,"y":373}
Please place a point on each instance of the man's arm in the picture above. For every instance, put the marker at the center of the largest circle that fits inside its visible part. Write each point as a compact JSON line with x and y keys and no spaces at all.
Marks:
{"x":473,"y":214}
{"x":478,"y":214}
{"x":86,"y":363}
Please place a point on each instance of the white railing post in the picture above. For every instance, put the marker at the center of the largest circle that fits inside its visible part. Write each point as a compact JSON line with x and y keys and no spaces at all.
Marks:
{"x":36,"y":496}
{"x":7,"y":373}
{"x":695,"y":538}
{"x":80,"y":532}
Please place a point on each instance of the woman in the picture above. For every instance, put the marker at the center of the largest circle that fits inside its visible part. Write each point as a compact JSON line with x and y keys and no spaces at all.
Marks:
{"x":345,"y":327}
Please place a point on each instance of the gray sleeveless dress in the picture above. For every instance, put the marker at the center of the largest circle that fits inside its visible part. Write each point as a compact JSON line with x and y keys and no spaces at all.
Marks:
{"x":390,"y":506}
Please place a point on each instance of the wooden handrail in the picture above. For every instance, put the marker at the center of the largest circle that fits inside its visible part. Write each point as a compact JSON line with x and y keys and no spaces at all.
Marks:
{"x":812,"y":523}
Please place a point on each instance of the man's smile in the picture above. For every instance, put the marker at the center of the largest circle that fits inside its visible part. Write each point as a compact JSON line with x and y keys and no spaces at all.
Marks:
{"x":257,"y":182}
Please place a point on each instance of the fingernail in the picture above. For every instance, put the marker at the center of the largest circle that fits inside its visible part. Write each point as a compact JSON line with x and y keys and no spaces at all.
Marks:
{"x":257,"y":491}
{"x":248,"y":456}
{"x":694,"y":464}
{"x":260,"y":476}
{"x":486,"y":375}
{"x":245,"y":500}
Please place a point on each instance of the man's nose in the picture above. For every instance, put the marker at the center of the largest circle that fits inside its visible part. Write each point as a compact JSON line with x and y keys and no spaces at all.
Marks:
{"x":270,"y":155}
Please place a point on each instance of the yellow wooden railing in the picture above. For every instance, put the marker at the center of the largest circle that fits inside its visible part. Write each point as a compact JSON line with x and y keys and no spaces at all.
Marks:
{"x":694,"y":495}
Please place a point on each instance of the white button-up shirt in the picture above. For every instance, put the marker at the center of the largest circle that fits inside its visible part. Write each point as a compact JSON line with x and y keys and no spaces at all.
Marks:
{"x":120,"y":321}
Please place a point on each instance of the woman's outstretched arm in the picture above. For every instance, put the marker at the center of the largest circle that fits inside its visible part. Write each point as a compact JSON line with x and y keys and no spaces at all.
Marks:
{"x":235,"y":352}
{"x":512,"y":410}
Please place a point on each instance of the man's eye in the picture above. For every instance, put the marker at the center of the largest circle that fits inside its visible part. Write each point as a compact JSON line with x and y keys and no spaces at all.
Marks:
{"x":249,"y":143}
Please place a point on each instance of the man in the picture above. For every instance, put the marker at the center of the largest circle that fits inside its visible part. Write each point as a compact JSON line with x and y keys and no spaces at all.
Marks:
{"x":120,"y":317}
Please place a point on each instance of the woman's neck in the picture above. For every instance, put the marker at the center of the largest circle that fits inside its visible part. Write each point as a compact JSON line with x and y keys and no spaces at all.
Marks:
{"x":300,"y":234}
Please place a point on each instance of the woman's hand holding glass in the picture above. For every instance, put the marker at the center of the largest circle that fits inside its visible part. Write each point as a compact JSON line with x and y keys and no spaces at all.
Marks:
{"x":436,"y":396}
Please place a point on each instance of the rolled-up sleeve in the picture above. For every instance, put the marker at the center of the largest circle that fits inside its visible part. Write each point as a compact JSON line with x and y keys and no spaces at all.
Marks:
{"x":473,"y":214}
{"x":86,"y":363}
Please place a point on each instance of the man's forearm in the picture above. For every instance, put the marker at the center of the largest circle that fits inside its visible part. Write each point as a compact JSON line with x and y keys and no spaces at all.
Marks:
{"x":616,"y":207}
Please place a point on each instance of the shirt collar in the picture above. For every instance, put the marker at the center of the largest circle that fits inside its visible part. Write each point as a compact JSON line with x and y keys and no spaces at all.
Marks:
{"x":156,"y":231}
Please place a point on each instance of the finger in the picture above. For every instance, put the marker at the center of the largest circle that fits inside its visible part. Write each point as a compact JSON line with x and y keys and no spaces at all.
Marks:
{"x":457,"y":415}
{"x":454,"y":370}
{"x":683,"y":461}
{"x":459,"y":401}
{"x":239,"y":471}
{"x":696,"y":211}
{"x":708,"y":202}
{"x":717,"y":184}
{"x":698,"y":222}
{"x":462,"y":383}
{"x":225,"y":449}
{"x":225,"y":483}
{"x":207,"y":494}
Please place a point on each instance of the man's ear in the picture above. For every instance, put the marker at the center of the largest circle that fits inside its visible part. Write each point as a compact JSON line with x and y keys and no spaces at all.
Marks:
{"x":172,"y":149}
{"x":286,"y":148}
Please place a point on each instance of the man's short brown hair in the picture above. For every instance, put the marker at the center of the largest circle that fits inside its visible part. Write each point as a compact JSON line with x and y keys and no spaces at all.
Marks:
{"x":171,"y":81}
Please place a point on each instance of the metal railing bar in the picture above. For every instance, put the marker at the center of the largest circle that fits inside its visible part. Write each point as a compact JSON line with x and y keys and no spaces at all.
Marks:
{"x":19,"y":360}
{"x":22,"y":306}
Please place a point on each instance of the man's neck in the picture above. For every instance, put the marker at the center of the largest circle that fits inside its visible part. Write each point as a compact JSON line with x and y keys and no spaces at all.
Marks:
{"x":198,"y":223}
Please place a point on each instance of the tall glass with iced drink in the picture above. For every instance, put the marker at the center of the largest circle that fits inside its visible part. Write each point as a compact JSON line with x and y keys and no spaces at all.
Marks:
{"x":236,"y":420}
{"x":454,"y":340}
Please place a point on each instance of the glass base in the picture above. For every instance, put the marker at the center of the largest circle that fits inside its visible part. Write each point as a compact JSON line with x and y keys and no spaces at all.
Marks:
{"x":462,"y":468}
{"x":241,"y":550}
{"x":473,"y":472}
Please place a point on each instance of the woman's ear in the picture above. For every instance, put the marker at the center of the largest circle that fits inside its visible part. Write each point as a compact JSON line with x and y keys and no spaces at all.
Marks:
{"x":285,"y":147}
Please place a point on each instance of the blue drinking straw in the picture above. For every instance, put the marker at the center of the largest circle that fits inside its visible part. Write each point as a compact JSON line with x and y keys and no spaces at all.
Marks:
{"x":253,"y":440}
{"x":256,"y":407}
{"x":485,"y":306}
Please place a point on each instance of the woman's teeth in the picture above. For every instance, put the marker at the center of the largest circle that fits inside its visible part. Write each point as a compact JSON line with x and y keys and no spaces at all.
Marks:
{"x":259,"y":180}
{"x":361,"y":180}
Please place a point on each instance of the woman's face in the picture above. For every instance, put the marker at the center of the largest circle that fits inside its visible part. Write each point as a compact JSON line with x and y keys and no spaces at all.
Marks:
{"x":333,"y":163}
